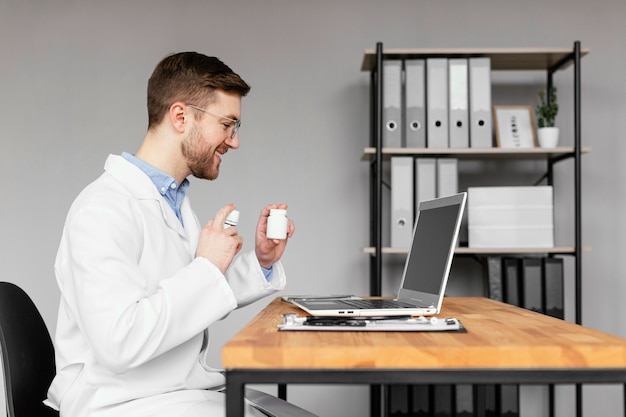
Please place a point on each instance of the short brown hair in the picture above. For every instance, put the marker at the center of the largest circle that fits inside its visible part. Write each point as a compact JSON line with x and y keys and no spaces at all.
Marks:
{"x":189,"y":77}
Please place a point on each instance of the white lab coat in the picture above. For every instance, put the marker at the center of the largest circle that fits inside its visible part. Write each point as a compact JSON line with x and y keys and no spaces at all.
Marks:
{"x":136,"y":302}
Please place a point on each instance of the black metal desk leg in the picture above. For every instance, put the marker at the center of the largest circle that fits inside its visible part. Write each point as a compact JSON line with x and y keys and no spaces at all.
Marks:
{"x":234,"y":395}
{"x":376,"y":394}
{"x":282,"y":391}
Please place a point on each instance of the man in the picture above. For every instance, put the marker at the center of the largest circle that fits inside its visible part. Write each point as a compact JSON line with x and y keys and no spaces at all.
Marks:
{"x":140,"y":280}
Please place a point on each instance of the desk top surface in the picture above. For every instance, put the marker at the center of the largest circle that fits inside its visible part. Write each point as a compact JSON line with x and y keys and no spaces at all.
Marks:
{"x":498,"y":336}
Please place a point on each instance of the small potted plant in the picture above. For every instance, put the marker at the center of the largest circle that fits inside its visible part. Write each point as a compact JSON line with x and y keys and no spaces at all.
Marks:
{"x":547,"y":110}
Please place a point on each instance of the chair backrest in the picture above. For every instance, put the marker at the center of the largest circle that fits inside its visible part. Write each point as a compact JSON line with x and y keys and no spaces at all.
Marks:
{"x":27,"y":354}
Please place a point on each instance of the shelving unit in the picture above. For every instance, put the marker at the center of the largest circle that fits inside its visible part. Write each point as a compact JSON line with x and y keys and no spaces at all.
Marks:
{"x":550,"y":60}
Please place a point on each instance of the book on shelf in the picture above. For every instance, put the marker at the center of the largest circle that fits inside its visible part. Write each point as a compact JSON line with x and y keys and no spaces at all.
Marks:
{"x":414,"y":180}
{"x":486,"y":402}
{"x":480,"y":117}
{"x":459,"y":400}
{"x":443,"y":400}
{"x":511,"y":281}
{"x":553,"y":287}
{"x":402,"y":201}
{"x":532,"y":284}
{"x":420,"y":400}
{"x":392,"y":104}
{"x":415,"y":103}
{"x":535,"y":283}
{"x":399,"y":400}
{"x":509,"y":400}
{"x":447,"y":176}
{"x":458,"y":103}
{"x":492,"y":268}
{"x":425,"y":179}
{"x":464,"y":400}
{"x":437,"y":103}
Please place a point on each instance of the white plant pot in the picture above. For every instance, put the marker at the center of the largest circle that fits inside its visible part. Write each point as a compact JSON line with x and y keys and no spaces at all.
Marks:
{"x":548,"y":137}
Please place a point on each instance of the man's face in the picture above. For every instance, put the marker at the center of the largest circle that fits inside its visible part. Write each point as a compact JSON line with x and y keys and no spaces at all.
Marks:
{"x":209,"y":137}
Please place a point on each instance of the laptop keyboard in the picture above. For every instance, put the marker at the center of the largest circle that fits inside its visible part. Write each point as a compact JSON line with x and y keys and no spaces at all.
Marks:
{"x":377,"y":304}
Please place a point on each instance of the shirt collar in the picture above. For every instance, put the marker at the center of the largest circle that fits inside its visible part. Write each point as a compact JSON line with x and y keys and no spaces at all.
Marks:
{"x":164,"y":183}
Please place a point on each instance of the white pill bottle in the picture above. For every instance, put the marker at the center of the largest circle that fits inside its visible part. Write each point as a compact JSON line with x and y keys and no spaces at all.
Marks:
{"x":277,"y":224}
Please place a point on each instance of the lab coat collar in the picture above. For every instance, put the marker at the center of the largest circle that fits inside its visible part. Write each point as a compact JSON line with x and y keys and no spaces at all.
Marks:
{"x":140,"y":185}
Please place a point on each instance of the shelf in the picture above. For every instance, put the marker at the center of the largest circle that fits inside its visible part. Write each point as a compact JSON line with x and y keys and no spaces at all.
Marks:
{"x":464,"y":250}
{"x":479,"y":153}
{"x":548,"y":60}
{"x":501,"y":58}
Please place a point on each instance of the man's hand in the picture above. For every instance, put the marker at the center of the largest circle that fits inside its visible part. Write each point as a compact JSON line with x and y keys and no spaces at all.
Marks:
{"x":268,"y":251}
{"x":217,"y":244}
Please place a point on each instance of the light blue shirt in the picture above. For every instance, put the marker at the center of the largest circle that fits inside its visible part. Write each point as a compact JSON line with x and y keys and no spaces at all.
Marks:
{"x":167,"y":185}
{"x":173,"y":192}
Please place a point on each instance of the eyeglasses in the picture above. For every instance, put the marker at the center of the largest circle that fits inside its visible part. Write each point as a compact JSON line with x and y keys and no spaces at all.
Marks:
{"x":237,"y":123}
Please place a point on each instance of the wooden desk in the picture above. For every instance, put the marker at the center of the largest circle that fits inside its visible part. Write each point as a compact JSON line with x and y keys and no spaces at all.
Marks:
{"x":503,"y":344}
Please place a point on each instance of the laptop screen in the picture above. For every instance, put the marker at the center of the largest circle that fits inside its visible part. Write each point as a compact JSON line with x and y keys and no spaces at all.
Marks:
{"x":430,"y":256}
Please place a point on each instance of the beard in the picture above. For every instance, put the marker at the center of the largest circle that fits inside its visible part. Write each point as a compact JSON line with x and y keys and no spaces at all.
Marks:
{"x":200,"y":157}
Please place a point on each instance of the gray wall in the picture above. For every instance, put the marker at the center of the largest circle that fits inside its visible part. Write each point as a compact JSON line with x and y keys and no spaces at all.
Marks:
{"x":72,"y":82}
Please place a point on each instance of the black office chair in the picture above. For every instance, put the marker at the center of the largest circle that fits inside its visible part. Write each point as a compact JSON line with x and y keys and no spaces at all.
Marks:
{"x":27,"y":354}
{"x":28,"y":361}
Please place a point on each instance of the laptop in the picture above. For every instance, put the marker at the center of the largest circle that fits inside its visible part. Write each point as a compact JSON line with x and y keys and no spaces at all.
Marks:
{"x":425,"y":274}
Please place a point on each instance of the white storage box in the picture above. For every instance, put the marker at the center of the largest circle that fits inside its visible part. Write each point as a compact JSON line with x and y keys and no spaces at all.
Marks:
{"x":509,"y":196}
{"x":510,"y":217}
{"x":490,"y":237}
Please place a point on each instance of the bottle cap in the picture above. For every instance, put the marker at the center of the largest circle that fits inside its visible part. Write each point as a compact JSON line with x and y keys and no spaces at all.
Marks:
{"x":278,"y":212}
{"x":233,"y":218}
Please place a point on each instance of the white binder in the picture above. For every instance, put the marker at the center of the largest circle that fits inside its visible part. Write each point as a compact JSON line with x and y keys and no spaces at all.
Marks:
{"x":447,"y":177}
{"x":392,"y":104}
{"x":415,"y":99}
{"x":480,"y":103}
{"x":458,"y":103}
{"x":425,"y":179}
{"x":437,"y":102}
{"x":401,"y":201}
